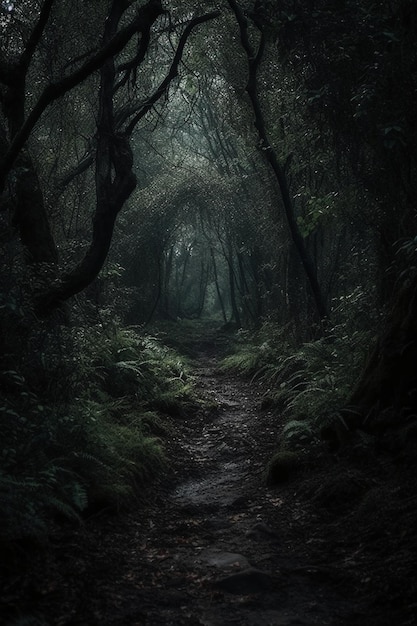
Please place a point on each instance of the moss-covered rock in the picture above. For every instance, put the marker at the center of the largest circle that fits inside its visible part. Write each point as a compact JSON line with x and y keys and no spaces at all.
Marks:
{"x":281,"y":466}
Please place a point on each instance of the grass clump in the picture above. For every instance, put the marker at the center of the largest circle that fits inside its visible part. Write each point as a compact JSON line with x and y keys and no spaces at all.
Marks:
{"x":255,"y":352}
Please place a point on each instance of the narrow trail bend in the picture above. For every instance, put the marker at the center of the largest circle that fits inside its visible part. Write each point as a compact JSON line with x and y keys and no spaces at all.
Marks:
{"x":216,"y":547}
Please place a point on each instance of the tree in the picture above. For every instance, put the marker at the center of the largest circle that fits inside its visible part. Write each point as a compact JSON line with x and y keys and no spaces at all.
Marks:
{"x":369,"y":59}
{"x":254,"y":59}
{"x":114,"y":178}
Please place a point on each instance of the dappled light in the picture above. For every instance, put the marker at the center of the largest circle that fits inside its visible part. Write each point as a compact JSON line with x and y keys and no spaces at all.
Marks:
{"x":208,"y":335}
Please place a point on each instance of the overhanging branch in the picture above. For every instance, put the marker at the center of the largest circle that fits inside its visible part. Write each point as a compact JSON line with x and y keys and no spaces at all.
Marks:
{"x":140,"y":109}
{"x":173,"y":71}
{"x":146,"y":16}
{"x":36,"y":34}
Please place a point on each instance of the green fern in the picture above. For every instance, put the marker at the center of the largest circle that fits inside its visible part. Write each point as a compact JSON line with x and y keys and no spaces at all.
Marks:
{"x":298,"y":432}
{"x":244,"y":362}
{"x":306,"y":383}
{"x":65,"y":452}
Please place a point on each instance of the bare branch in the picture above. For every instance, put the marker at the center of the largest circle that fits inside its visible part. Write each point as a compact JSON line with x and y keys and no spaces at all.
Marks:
{"x":143,"y":107}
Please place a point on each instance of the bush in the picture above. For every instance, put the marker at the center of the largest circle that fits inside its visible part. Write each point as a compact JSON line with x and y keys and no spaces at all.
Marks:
{"x":124,"y":362}
{"x":316,"y":380}
{"x":97,"y":444}
{"x":308,"y":383}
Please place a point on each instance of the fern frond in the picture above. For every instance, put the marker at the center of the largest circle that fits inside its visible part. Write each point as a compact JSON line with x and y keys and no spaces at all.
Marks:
{"x":60,"y":506}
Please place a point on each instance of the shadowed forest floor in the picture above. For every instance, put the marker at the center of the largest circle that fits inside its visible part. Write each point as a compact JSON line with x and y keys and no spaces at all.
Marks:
{"x":214,"y":545}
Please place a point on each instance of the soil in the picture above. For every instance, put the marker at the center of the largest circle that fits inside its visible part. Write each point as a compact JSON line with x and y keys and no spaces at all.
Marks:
{"x":216,"y":545}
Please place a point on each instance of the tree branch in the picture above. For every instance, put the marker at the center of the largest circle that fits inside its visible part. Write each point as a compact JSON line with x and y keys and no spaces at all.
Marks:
{"x":254,"y":60}
{"x":173,"y":71}
{"x":133,"y":64}
{"x":146,"y":16}
{"x":142,"y":107}
{"x":36,"y":35}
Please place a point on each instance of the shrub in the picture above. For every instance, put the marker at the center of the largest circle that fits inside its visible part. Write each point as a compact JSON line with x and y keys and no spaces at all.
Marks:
{"x":315,"y":381}
{"x":96,"y":445}
{"x":308,"y":383}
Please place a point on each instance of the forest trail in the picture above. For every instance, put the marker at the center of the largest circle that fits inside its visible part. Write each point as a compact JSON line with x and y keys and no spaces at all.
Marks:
{"x":215,"y":547}
{"x":242,"y":541}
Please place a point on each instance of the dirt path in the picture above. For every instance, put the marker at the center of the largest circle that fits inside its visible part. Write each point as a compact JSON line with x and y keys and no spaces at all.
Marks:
{"x":241,"y":552}
{"x":216,"y":547}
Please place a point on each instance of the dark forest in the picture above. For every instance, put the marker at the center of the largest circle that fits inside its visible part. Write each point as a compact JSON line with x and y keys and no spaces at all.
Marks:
{"x":208,"y":312}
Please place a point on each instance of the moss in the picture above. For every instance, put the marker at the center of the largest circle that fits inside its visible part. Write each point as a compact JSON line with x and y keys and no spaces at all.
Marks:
{"x":281,"y":466}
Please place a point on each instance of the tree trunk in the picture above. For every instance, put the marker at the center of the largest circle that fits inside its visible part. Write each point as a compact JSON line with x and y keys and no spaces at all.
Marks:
{"x":385,"y":397}
{"x":232,"y":286}
{"x":254,"y":60}
{"x":216,"y":282}
{"x":390,"y":377}
{"x":27,"y":203}
{"x":115,"y":182}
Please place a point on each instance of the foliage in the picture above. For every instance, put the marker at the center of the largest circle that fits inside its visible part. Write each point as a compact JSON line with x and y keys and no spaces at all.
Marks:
{"x":256,"y":351}
{"x":132,"y":364}
{"x":56,"y":464}
{"x":306,"y":384}
{"x":34,"y":482}
{"x":96,"y":446}
{"x":316,"y":380}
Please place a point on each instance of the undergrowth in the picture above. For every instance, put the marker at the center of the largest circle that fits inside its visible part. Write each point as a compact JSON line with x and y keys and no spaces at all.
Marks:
{"x":131,"y":364}
{"x":307,"y":383}
{"x":189,"y":337}
{"x":94,"y":437}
